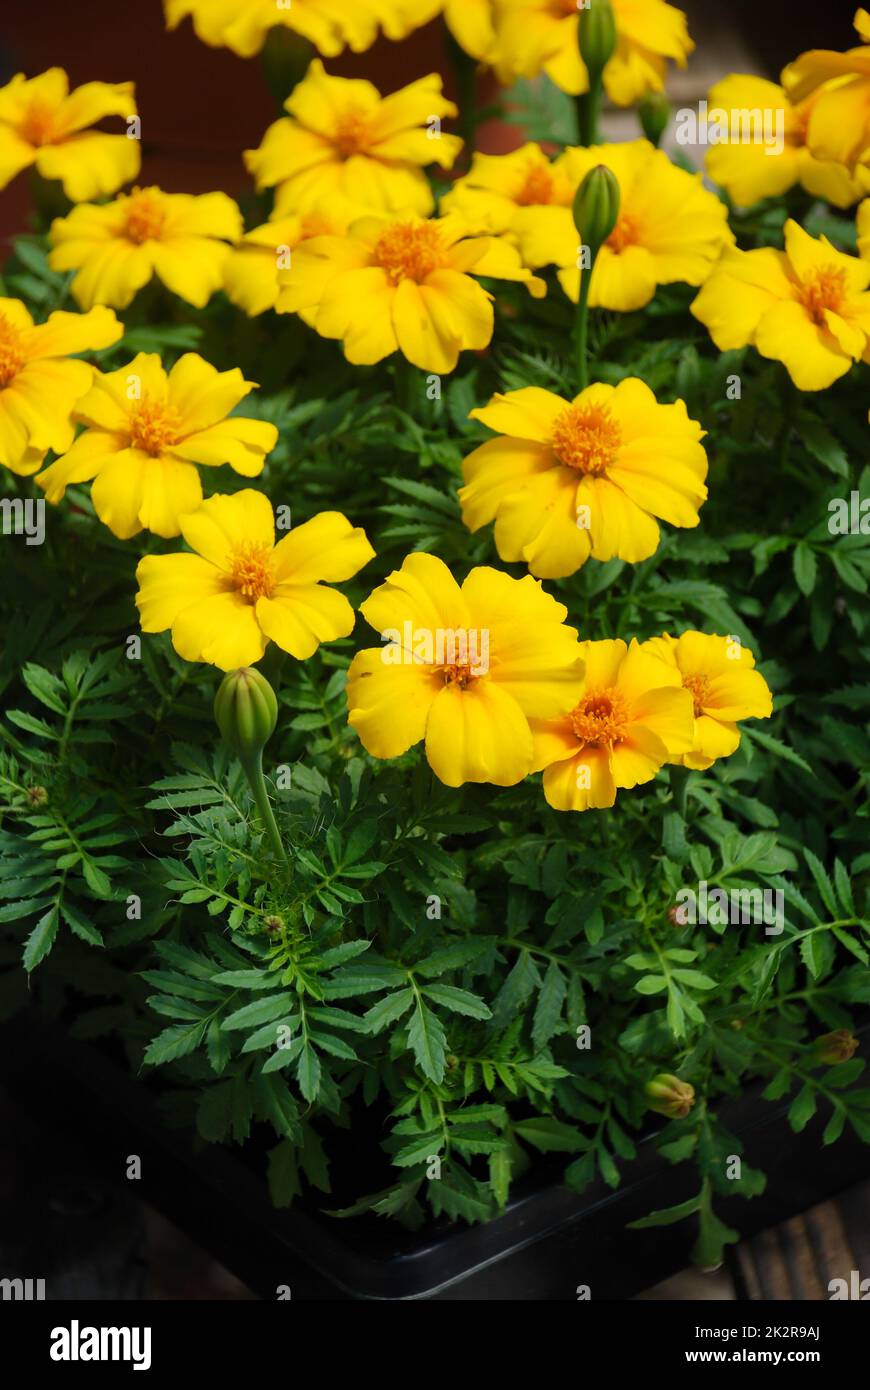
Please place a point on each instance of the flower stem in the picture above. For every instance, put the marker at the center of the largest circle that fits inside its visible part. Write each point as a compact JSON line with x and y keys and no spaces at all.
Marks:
{"x":581,"y":332}
{"x":254,"y":773}
{"x":589,"y":110}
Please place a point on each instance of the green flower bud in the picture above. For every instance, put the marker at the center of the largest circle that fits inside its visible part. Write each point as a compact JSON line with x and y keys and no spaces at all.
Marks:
{"x":597,"y":36}
{"x":833,"y":1048}
{"x":596,"y":207}
{"x":655,"y":114}
{"x":246,"y":711}
{"x":668,"y":1095}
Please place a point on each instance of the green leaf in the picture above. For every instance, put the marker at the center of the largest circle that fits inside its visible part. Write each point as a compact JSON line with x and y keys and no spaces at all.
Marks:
{"x":548,"y":1012}
{"x":41,"y":939}
{"x":260,"y":1011}
{"x":667,"y":1216}
{"x":428,"y":1041}
{"x":551,"y":1135}
{"x":459,"y":1001}
{"x":823,"y":882}
{"x":805,"y":567}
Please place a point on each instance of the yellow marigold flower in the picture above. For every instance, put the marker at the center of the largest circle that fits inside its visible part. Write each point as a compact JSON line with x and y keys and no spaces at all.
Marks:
{"x":839,"y":123}
{"x":403,"y":284}
{"x":472,"y":24}
{"x":670,"y":229}
{"x":345,"y":147}
{"x":719,"y":674}
{"x":251,"y":271}
{"x":750,"y":170}
{"x":40,"y":383}
{"x":542,"y":35}
{"x":331,"y":25}
{"x":146,"y":431}
{"x":463,"y":667}
{"x":633,"y":715}
{"x":239,"y":590}
{"x":43,"y":123}
{"x":807,"y":307}
{"x":564,"y":481}
{"x":117,"y":247}
{"x":523,"y":193}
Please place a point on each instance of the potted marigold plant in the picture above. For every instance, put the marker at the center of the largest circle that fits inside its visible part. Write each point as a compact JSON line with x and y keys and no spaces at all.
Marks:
{"x":435,"y":646}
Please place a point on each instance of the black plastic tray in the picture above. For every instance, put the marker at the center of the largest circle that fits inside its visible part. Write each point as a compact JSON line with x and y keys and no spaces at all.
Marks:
{"x":547,"y":1244}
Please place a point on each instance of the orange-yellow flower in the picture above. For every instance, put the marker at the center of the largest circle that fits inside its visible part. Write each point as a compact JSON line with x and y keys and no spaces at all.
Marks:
{"x":463,"y":667}
{"x":719,"y":674}
{"x":239,"y":591}
{"x":632,"y":717}
{"x":45,"y":124}
{"x":566,"y":480}
{"x":670,"y":228}
{"x":116,"y":248}
{"x":752,"y":169}
{"x":401,"y":284}
{"x":807,"y":307}
{"x":331,"y":25}
{"x":41,"y":381}
{"x":251,"y":273}
{"x":839,"y":123}
{"x":147,"y":429}
{"x":542,"y":35}
{"x":345,"y":148}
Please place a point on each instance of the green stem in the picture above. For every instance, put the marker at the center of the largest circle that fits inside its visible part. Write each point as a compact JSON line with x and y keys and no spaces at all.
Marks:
{"x":589,"y":110}
{"x":254,"y":773}
{"x":581,"y":332}
{"x":679,"y":778}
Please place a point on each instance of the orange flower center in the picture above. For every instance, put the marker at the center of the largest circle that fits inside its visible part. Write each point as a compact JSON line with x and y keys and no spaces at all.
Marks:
{"x":37,"y":126}
{"x":409,"y":251}
{"x":146,"y":216}
{"x":563,"y":7}
{"x":12,"y":354}
{"x":602,"y":717}
{"x":537,"y":189}
{"x":252,"y":572}
{"x":825,"y":289}
{"x":459,"y":674}
{"x":586,"y":437}
{"x":624,"y":234}
{"x":154,"y":426}
{"x":700,"y":688}
{"x":352,"y":134}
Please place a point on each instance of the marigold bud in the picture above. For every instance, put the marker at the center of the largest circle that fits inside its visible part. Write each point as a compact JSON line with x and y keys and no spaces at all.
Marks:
{"x":36,"y":796}
{"x":655,"y":115}
{"x":246,"y":712}
{"x":668,"y":1095}
{"x":597,"y":35}
{"x":832,"y":1048}
{"x":678,"y":915}
{"x":596,"y":207}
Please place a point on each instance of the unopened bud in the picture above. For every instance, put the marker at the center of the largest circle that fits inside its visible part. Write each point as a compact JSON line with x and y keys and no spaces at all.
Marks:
{"x":832,"y":1048}
{"x":668,"y":1095}
{"x":596,"y":207}
{"x":36,"y":796}
{"x":597,"y":35}
{"x":655,"y":115}
{"x":678,"y":915}
{"x":246,"y":711}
